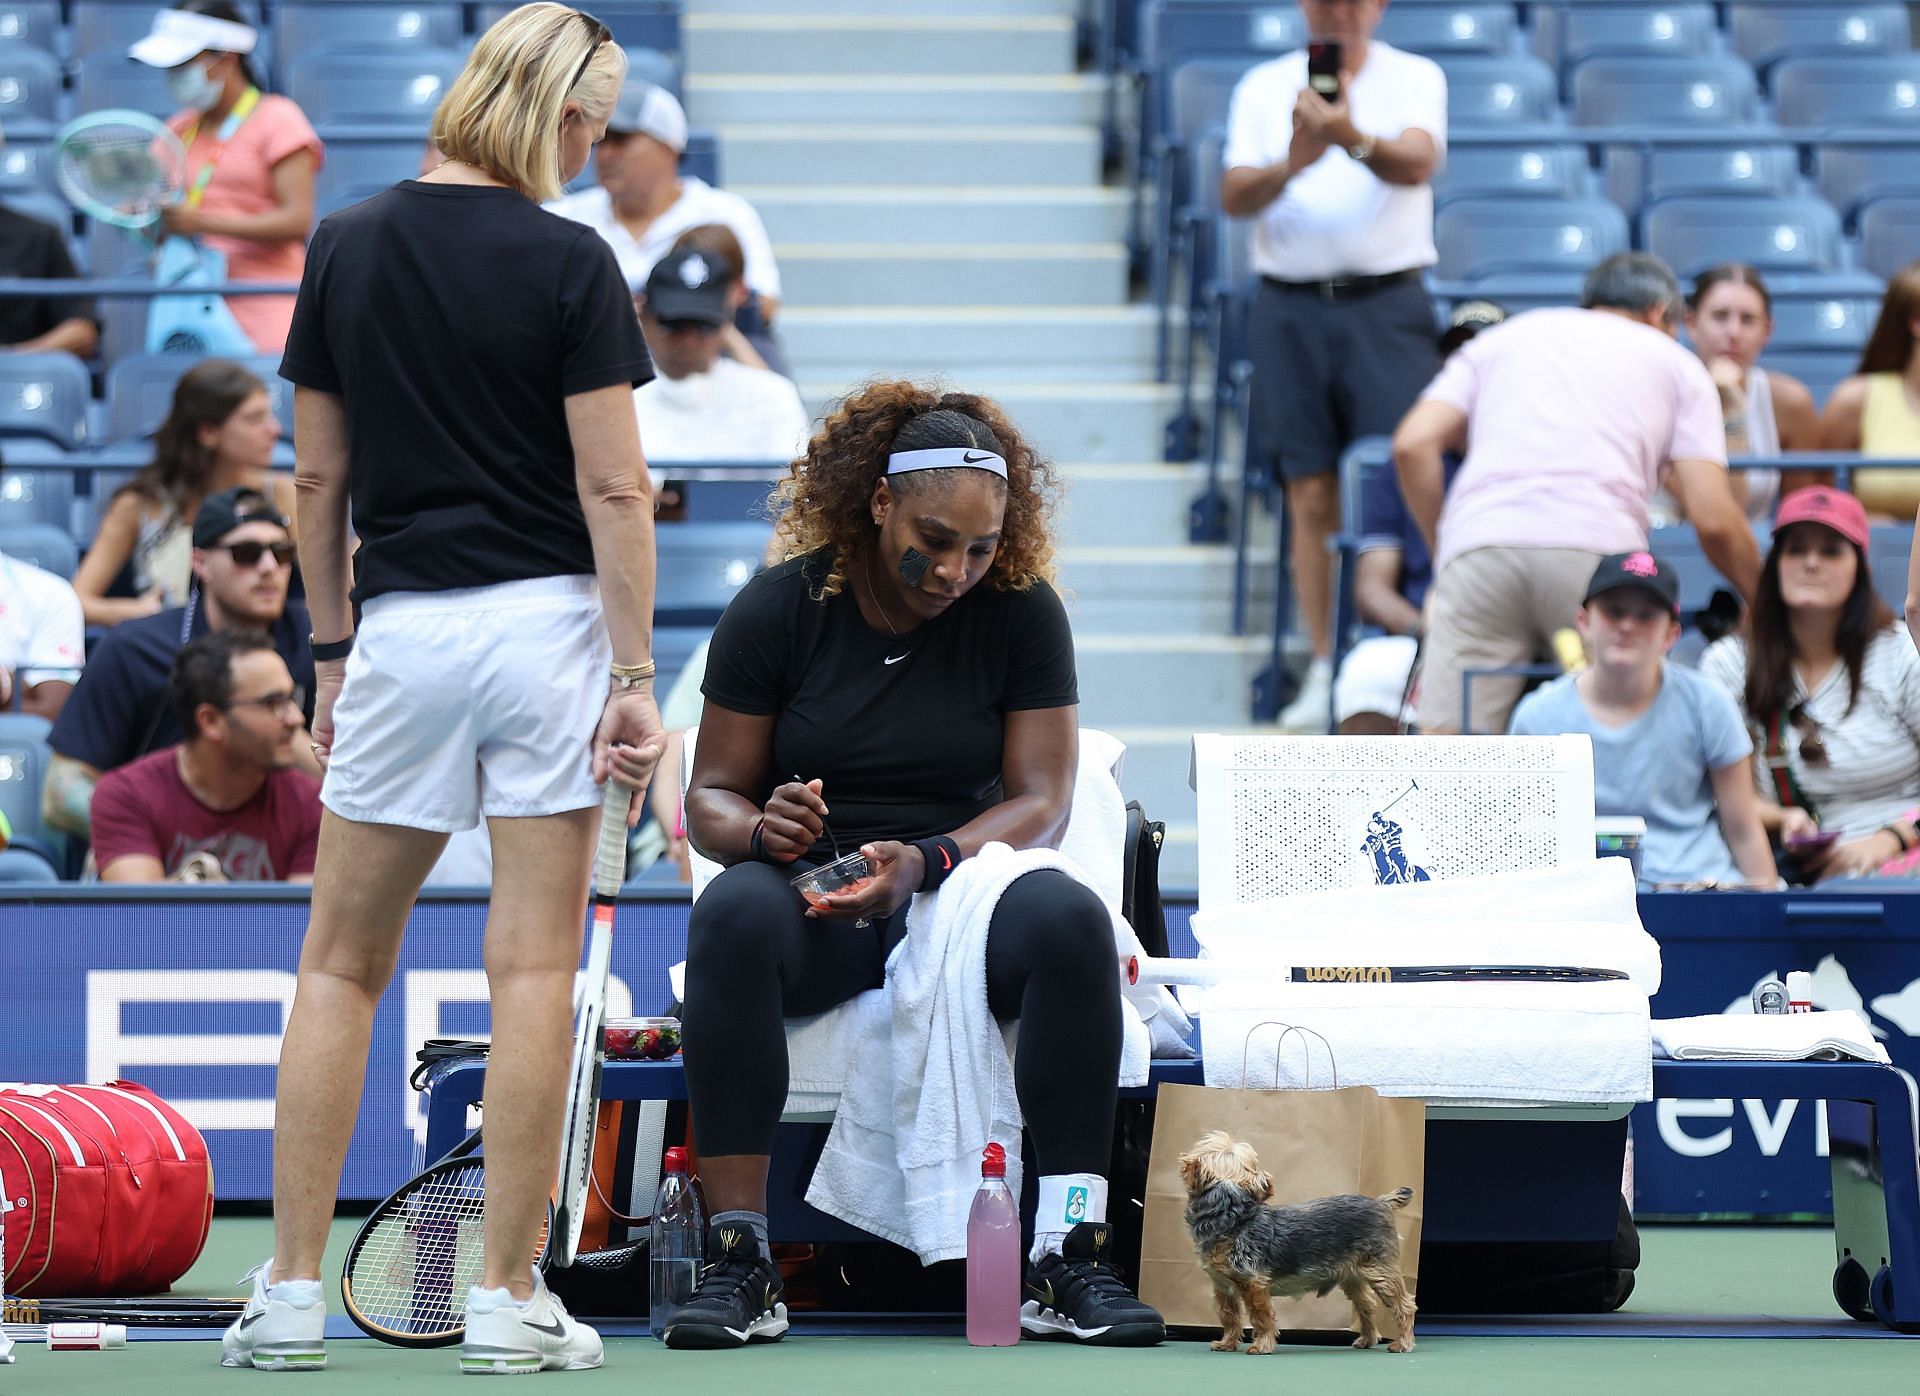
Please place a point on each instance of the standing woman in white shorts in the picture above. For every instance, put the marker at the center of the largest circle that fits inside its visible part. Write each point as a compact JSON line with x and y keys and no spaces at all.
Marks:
{"x":464,"y":366}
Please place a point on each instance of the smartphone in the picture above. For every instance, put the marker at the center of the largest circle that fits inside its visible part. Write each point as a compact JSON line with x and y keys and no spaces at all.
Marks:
{"x":1802,"y":843}
{"x":1323,"y":67}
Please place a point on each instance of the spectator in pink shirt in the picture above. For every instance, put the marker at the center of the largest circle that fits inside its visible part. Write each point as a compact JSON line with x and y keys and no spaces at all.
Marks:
{"x":1570,"y":421}
{"x":251,"y":158}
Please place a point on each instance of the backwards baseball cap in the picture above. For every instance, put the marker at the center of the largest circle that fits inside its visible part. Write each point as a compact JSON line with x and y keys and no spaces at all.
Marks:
{"x":178,"y":35}
{"x":220,"y":514}
{"x":1641,"y":571}
{"x":1819,"y":504}
{"x":1467,"y":320}
{"x":651,"y":111}
{"x":688,"y":285}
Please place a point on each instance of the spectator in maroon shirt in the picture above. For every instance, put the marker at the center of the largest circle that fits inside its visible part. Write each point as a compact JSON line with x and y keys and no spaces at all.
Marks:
{"x":225,"y":805}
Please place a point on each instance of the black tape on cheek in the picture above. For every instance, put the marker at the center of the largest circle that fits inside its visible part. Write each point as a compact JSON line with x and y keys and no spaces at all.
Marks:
{"x":914,"y":565}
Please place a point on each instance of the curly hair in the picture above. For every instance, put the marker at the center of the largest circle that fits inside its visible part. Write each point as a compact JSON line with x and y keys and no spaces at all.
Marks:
{"x":825,"y":501}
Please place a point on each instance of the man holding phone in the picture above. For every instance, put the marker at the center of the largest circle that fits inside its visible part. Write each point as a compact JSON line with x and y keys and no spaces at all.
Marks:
{"x":1330,"y":148}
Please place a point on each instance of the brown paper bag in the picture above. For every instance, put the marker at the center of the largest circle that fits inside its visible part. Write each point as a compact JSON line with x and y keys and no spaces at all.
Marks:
{"x":1315,"y":1144}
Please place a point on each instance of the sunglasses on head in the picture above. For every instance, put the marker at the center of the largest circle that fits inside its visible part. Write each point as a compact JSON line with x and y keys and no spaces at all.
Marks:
{"x":1813,"y":746}
{"x":248,"y":554}
{"x":601,"y":35}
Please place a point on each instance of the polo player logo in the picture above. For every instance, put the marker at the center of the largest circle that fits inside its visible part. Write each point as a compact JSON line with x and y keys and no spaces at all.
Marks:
{"x":1385,"y":845}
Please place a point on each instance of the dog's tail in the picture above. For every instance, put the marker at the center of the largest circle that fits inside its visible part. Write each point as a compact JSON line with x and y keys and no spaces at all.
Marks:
{"x":1399,"y":1197}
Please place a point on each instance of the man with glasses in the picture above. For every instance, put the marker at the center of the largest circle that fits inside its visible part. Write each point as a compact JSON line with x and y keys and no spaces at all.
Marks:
{"x":226,"y":804}
{"x":118,"y":712}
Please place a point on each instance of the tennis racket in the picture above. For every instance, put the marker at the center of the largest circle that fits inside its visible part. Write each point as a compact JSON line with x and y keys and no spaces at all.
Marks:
{"x":589,"y":1042}
{"x":120,"y":168}
{"x":163,"y":1311}
{"x":1140,"y":969}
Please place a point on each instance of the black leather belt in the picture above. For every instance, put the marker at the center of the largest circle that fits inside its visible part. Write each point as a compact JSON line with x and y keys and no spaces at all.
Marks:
{"x":1345,"y":288}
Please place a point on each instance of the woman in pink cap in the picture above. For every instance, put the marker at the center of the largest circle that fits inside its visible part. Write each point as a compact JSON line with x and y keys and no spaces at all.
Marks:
{"x":1830,"y":687}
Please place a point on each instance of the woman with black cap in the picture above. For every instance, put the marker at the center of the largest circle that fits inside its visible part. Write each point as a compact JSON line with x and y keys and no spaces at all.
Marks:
{"x":902,"y":684}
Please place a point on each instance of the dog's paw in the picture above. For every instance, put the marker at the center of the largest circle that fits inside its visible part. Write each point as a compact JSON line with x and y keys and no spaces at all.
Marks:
{"x":1366,"y":1340}
{"x":1225,"y":1344}
{"x":1404,"y":1343}
{"x":1260,"y":1347}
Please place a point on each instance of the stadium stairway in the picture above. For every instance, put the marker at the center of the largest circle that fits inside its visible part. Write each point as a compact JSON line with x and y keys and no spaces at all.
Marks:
{"x":929,"y":171}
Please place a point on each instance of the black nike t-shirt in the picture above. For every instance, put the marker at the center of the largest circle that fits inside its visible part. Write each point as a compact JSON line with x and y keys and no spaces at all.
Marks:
{"x":454,"y":321}
{"x":906,"y":732}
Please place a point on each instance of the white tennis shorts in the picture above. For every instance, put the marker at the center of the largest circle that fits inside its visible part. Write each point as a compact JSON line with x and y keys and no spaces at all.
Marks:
{"x":459,"y":704}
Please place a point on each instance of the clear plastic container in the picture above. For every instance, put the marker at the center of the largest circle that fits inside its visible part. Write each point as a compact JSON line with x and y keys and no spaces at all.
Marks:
{"x":676,"y":1242}
{"x":833,"y":879}
{"x":642,"y":1039}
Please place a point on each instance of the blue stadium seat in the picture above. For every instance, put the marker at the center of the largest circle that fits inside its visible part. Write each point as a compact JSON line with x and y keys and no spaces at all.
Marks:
{"x":113,"y":28}
{"x":1461,"y":27}
{"x":1481,"y":237}
{"x":1540,"y":166}
{"x":702,"y":565}
{"x":1819,"y":369}
{"x":24,"y":756}
{"x":1638,"y":175}
{"x":1516,"y":292}
{"x":44,"y":395}
{"x":140,"y":391}
{"x":19,"y":865}
{"x":1850,"y":175}
{"x":400,"y":89}
{"x":635,"y":23}
{"x":1763,"y":34}
{"x":27,"y":165}
{"x":1511,"y":90}
{"x":109,"y":79}
{"x":1198,"y":96}
{"x":1777,"y":234}
{"x":42,"y":206}
{"x":46,"y":546}
{"x":1890,"y":235}
{"x":1872,"y":92}
{"x":1647,"y":92}
{"x":342,"y":26}
{"x":30,"y":90}
{"x":1568,"y":35}
{"x":654,"y":66}
{"x":1832,"y":312}
{"x":35,"y":497}
{"x":1888,"y":548}
{"x":360,"y":166}
{"x":1173,"y":31}
{"x":1679,"y":546}
{"x":32,"y":23}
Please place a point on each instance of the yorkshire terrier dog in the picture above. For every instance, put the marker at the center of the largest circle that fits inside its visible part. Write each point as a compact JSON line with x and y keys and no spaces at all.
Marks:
{"x":1252,"y":1251}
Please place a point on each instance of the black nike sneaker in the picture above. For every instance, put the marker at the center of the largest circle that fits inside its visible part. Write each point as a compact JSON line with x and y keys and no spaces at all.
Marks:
{"x":739,"y":1299}
{"x":1079,"y":1295}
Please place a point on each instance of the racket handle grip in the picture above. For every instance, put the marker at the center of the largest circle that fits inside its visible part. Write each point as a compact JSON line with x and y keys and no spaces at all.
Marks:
{"x":610,"y":852}
{"x":85,"y":1337}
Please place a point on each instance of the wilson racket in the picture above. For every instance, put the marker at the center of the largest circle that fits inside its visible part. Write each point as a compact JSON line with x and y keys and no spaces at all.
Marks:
{"x":1139,"y":969}
{"x":163,"y":1311}
{"x":68,"y":1337}
{"x":120,"y":167}
{"x":589,"y":1041}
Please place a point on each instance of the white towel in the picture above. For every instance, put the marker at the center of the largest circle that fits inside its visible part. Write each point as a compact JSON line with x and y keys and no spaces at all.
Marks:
{"x":1445,"y":1043}
{"x":930,"y":1082}
{"x":1838,"y":1035}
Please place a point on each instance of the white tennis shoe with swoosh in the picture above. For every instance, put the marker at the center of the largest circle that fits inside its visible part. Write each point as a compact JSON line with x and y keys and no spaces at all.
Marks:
{"x":282,"y":1329}
{"x":507,"y":1339}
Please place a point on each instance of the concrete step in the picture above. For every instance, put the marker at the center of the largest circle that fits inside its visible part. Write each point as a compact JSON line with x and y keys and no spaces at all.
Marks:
{"x":891,"y":99}
{"x":939,"y":44}
{"x":1091,"y":422}
{"x":922,"y":213}
{"x":840,"y":154}
{"x":1132,"y":505}
{"x":891,"y":9}
{"x":1197,"y":680}
{"x":821,"y":274}
{"x":1057,"y":344}
{"x":1182,"y":589}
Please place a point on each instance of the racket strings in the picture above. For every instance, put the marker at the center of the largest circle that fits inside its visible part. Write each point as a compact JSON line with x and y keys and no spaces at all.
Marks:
{"x":120,"y":170}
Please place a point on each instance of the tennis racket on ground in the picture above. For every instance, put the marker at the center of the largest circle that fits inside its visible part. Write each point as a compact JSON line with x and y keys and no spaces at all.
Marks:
{"x":1141,"y":969}
{"x":121,"y":168}
{"x":163,"y":1311}
{"x":589,"y":1041}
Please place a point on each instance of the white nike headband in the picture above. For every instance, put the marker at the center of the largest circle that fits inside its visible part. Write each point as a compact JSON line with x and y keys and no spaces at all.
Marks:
{"x":946,"y":458}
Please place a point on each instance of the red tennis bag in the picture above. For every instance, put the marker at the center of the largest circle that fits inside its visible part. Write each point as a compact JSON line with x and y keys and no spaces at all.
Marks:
{"x":110,"y":1190}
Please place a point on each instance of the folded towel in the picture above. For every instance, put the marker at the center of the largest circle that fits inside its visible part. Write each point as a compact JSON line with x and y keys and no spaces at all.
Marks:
{"x":1837,"y":1035}
{"x":1446,"y":1043}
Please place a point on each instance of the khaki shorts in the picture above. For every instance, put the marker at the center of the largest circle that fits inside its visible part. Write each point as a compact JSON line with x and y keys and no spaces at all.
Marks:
{"x":1492,"y":608}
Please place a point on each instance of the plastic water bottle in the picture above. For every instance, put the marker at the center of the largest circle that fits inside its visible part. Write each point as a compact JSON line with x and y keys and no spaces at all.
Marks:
{"x":675,"y":1242}
{"x":993,"y":1257}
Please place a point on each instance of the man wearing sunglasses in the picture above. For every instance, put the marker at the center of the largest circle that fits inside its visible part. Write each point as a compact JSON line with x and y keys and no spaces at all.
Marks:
{"x":118,"y":712}
{"x":226,"y":804}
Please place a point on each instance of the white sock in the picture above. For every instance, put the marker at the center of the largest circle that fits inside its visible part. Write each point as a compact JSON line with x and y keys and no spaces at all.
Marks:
{"x":1066,"y":1200}
{"x":1320,"y":669}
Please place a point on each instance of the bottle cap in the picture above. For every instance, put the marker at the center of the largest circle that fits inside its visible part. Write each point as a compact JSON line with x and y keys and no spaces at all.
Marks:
{"x":675,"y":1160}
{"x":993,"y":1162}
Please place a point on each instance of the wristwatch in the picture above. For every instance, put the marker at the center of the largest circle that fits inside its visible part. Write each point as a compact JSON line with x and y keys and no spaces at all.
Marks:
{"x":1362,"y":149}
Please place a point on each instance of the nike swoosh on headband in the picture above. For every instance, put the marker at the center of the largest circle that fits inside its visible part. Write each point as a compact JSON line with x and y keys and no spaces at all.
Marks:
{"x":946,"y":458}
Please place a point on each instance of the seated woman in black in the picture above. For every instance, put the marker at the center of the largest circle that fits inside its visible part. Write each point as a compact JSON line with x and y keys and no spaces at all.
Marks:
{"x":903,"y":683}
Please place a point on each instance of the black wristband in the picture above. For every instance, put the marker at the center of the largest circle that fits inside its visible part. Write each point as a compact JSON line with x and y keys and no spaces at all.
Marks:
{"x":757,"y":840}
{"x":942,"y":856}
{"x":332,"y":649}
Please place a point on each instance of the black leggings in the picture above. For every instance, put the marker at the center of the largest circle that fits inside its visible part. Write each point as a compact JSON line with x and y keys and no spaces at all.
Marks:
{"x":754,"y":959}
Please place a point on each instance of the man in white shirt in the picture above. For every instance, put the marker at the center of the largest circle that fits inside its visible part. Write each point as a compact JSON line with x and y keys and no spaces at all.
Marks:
{"x":1341,"y":331}
{"x":703,"y":406}
{"x":644,"y":203}
{"x":42,"y":638}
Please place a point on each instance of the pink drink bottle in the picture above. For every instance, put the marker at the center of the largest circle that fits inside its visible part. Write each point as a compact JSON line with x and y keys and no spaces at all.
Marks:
{"x":993,"y":1257}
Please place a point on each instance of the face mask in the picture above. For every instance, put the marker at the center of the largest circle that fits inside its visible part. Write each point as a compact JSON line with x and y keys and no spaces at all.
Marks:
{"x":193,"y":87}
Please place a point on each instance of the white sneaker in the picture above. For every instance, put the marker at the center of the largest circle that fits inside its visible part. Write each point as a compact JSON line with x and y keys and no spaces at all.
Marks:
{"x":1310,"y":711}
{"x":505,"y":1339}
{"x":282,"y":1329}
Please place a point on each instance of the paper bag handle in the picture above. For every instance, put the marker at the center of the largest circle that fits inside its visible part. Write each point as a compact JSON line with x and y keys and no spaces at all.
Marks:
{"x":1288,"y":1029}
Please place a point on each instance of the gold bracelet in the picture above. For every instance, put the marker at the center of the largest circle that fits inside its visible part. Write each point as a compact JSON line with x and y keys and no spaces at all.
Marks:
{"x":630,"y":675}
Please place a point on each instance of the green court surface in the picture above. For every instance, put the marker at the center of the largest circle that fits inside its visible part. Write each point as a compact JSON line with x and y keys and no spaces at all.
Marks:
{"x":1745,"y":1271}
